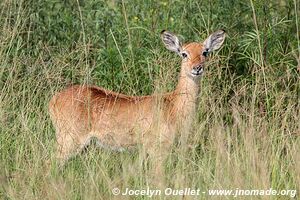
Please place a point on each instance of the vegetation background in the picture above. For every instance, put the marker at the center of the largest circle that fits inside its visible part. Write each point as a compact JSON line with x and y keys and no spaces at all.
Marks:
{"x":248,"y":124}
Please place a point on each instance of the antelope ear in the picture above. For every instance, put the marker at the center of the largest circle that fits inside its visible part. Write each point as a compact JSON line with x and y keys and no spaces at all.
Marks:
{"x":214,"y":41}
{"x":171,"y":41}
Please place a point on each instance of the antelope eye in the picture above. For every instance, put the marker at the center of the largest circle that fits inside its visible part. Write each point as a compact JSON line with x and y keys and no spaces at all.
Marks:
{"x":184,"y":55}
{"x":205,"y":53}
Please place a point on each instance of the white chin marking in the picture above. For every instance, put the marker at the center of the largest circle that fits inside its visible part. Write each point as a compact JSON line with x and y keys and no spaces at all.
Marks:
{"x":197,"y":74}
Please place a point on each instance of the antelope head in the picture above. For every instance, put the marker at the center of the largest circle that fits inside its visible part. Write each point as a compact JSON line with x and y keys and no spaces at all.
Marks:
{"x":193,"y":54}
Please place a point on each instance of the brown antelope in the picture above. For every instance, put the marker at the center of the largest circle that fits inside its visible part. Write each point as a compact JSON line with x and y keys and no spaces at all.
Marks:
{"x":118,"y":121}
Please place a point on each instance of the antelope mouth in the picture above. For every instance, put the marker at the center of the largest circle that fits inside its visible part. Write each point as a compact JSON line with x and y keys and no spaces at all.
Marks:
{"x":197,"y":71}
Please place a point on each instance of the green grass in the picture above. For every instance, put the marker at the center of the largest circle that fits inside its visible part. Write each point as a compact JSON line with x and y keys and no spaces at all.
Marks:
{"x":246,"y":134}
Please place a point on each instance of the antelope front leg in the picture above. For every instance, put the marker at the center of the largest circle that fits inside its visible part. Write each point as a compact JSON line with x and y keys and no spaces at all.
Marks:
{"x":158,"y":151}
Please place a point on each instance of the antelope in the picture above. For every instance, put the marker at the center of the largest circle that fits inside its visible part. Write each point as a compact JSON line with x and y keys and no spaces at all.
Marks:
{"x":118,"y":121}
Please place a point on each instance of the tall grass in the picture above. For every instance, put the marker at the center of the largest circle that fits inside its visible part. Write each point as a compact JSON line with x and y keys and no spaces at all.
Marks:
{"x":246,"y":134}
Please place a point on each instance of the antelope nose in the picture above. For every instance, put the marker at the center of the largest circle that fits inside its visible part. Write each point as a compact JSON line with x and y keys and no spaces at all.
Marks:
{"x":198,"y":67}
{"x":197,"y":70}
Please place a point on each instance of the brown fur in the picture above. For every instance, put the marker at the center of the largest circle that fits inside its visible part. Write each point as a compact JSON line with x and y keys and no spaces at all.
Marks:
{"x":119,"y":121}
